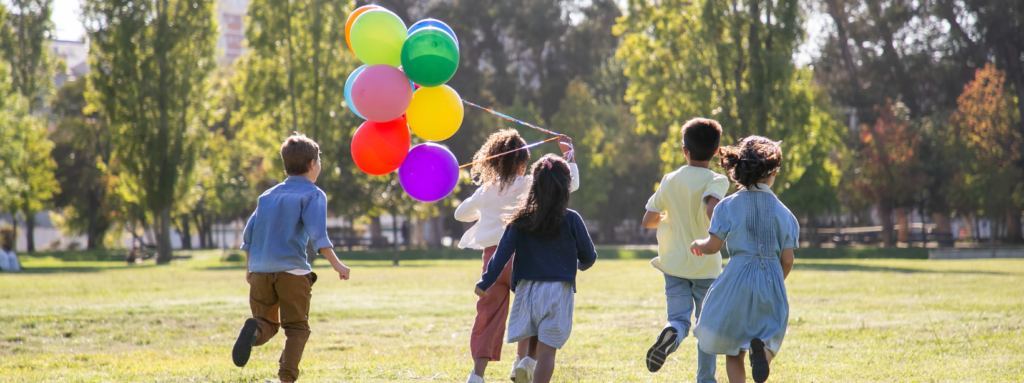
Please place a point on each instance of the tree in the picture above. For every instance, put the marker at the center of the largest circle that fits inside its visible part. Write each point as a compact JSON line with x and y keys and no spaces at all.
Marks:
{"x":888,"y":171}
{"x":731,"y":62}
{"x":985,"y":123}
{"x":82,"y":153}
{"x":25,"y":36}
{"x":151,"y":62}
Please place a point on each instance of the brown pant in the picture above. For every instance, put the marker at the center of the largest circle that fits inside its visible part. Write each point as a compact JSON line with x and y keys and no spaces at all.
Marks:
{"x":289,"y":294}
{"x":491,"y":314}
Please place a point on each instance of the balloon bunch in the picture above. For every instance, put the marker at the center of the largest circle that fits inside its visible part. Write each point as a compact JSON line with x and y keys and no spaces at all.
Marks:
{"x":402,"y":86}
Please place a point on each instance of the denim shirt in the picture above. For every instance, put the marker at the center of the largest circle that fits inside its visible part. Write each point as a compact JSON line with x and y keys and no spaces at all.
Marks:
{"x":286,"y":217}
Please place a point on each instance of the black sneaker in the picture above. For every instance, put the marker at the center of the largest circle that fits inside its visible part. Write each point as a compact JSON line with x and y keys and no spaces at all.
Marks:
{"x":243,"y":345}
{"x":659,"y":351}
{"x":758,"y":361}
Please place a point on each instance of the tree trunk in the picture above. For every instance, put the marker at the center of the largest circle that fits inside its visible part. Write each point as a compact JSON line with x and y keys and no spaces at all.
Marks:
{"x":185,"y":234}
{"x":93,"y":237}
{"x":943,"y":229}
{"x":164,"y":253}
{"x":839,"y":20}
{"x":394,"y":233}
{"x":1013,"y":233}
{"x":903,"y":223}
{"x":30,"y":231}
{"x":200,"y":231}
{"x":885,"y":213}
{"x":812,"y":228}
{"x":376,"y":232}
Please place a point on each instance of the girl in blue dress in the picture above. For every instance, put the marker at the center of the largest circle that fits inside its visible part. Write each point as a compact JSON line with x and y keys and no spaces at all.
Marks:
{"x":746,"y":308}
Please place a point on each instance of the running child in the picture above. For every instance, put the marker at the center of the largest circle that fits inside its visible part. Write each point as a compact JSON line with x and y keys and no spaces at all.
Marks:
{"x":280,"y":279}
{"x":502,"y":182}
{"x":746,"y":308}
{"x":681,"y":211}
{"x":550,"y":243}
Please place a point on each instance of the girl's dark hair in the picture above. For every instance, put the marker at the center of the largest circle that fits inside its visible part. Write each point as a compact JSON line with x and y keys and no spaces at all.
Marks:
{"x":501,"y":169}
{"x":541,"y":212}
{"x":753,"y":159}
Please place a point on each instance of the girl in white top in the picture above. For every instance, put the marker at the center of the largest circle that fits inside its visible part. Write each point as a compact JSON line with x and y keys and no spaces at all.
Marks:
{"x":502,"y":181}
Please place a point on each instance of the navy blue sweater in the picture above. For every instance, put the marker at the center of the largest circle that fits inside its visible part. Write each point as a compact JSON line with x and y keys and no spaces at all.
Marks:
{"x":543,"y":260}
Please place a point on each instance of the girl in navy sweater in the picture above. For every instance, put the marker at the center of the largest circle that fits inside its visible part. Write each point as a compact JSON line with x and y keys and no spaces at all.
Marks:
{"x":550,"y":243}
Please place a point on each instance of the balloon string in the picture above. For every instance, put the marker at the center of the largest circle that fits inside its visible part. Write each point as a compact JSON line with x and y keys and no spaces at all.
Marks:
{"x":527,"y":147}
{"x":507,"y":117}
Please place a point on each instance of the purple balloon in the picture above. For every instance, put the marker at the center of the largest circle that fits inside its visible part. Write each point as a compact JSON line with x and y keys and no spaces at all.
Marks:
{"x":381,"y":93}
{"x":429,"y":173}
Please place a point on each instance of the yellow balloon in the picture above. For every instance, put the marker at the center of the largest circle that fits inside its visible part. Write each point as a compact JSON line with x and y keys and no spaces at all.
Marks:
{"x":435,"y":113}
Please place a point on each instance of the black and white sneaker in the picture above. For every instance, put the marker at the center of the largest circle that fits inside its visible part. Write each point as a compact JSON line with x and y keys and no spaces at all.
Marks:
{"x":243,"y":345}
{"x":758,"y":361}
{"x":659,"y":351}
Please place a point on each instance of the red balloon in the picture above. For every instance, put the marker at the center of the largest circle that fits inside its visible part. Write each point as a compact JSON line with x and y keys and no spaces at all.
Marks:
{"x":378,"y":148}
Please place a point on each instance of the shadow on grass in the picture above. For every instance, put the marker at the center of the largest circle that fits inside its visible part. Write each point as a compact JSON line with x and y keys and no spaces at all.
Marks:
{"x":886,"y":269}
{"x":79,"y":269}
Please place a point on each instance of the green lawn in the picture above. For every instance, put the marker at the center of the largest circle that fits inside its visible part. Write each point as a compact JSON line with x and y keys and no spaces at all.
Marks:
{"x":851,"y":321}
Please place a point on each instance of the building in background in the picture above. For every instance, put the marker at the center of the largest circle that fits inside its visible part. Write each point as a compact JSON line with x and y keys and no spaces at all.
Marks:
{"x":230,"y":14}
{"x":75,"y":58}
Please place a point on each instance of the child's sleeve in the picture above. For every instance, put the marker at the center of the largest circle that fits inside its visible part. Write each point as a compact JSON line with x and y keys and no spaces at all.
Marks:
{"x":718,"y":187}
{"x":469,"y":210}
{"x":585,"y":252}
{"x":247,"y":234}
{"x":506,"y":247}
{"x":574,"y":172}
{"x":314,"y":218}
{"x":792,"y":230}
{"x":657,"y":201}
{"x":720,"y":225}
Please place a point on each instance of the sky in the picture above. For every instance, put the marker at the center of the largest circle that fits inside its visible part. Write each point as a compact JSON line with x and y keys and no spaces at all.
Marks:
{"x":67,"y":19}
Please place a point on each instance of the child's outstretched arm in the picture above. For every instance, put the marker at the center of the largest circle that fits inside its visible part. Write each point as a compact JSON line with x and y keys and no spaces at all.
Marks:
{"x":501,"y":257}
{"x":786,"y":259}
{"x":652,"y":219}
{"x":586,"y":254}
{"x":343,"y":271}
{"x":469,"y":210}
{"x":709,"y":245}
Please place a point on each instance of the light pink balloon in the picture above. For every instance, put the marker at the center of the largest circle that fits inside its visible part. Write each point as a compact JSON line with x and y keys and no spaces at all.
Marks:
{"x":381,"y":93}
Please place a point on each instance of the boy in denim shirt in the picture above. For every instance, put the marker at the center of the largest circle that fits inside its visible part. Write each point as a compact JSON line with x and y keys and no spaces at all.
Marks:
{"x":280,"y":279}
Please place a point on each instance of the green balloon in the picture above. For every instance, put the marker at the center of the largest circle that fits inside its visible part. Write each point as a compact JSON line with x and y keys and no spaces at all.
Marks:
{"x":377,"y":37}
{"x":430,"y":57}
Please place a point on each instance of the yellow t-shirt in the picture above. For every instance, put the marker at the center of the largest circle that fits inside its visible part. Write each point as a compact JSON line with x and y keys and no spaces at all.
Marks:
{"x":681,"y":199}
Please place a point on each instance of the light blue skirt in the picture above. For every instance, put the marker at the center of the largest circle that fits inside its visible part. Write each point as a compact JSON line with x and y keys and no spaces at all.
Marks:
{"x":747,"y":301}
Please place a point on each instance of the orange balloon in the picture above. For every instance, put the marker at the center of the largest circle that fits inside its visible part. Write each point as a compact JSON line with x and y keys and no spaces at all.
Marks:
{"x":352,"y":19}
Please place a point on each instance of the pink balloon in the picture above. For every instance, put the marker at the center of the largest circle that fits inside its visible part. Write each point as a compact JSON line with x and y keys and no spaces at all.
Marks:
{"x":381,"y":93}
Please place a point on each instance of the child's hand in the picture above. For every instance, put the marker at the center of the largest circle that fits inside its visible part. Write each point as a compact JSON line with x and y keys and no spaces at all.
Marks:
{"x":343,"y":272}
{"x":480,"y":292}
{"x":248,"y":277}
{"x":564,"y":143}
{"x":695,"y":249}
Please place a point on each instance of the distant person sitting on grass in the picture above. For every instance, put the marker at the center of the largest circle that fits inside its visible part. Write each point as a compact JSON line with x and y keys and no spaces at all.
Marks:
{"x":279,"y":276}
{"x":8,"y":259}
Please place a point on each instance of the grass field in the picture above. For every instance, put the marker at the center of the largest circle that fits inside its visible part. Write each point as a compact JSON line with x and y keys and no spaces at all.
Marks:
{"x":850,"y":321}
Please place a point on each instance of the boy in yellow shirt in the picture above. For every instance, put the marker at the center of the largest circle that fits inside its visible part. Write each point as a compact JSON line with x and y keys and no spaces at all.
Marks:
{"x":681,"y":210}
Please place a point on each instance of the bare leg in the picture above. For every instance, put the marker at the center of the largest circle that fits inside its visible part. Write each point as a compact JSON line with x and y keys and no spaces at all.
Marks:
{"x":480,"y":365}
{"x":531,"y":350}
{"x":523,"y":346}
{"x":545,"y":363}
{"x":735,"y":368}
{"x":768,"y":355}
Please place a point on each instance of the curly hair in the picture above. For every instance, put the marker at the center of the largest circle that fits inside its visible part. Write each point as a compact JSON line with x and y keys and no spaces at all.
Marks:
{"x":752,"y":160}
{"x":542,"y":211}
{"x":501,"y":170}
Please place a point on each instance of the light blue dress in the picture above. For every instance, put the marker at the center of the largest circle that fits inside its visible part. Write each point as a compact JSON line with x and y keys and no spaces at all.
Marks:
{"x":749,"y":299}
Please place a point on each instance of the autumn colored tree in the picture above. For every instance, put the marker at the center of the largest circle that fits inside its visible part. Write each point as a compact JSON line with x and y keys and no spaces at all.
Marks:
{"x":888,"y":171}
{"x":985,"y":123}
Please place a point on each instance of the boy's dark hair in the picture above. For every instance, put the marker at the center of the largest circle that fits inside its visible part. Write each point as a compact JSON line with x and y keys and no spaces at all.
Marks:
{"x":701,"y":137}
{"x":542,"y":211}
{"x":296,"y":152}
{"x":501,"y":169}
{"x":753,"y":159}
